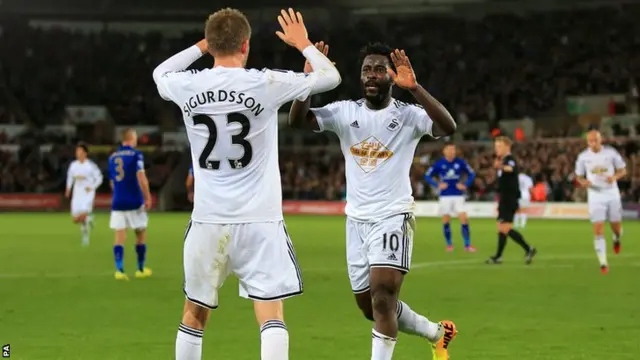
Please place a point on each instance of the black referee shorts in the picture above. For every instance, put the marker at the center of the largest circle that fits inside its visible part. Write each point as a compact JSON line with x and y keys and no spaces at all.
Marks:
{"x":507,"y":211}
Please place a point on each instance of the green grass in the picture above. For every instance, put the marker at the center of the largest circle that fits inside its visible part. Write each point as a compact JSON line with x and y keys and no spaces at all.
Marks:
{"x":59,"y":300}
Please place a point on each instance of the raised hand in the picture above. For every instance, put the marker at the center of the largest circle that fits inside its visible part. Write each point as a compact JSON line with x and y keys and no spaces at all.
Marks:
{"x":323,"y":48}
{"x":404,"y":76}
{"x":294,"y":33}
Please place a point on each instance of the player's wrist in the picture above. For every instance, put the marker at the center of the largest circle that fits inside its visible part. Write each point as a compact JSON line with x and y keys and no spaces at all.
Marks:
{"x":306,"y":46}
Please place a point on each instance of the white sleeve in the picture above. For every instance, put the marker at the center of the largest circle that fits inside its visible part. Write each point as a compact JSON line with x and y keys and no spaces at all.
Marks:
{"x":581,"y":169}
{"x":97,"y":176}
{"x":420,"y":120}
{"x":287,"y":86}
{"x":70,"y":177}
{"x":328,"y":116}
{"x":168,"y":71}
{"x":618,"y":161}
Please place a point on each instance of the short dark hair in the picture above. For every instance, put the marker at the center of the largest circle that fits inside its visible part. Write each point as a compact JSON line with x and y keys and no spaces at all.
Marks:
{"x":377,"y":48}
{"x":449,"y":143}
{"x":226,"y":30}
{"x":83,"y":146}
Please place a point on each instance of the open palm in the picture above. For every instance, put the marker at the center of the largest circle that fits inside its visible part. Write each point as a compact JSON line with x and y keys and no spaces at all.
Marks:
{"x":404,"y":76}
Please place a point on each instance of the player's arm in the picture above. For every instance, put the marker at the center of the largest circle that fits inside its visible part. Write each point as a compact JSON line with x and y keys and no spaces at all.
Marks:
{"x":581,"y":173}
{"x":471,"y":175}
{"x":300,"y":114}
{"x":620,"y":166}
{"x":428,"y":177}
{"x":508,"y":165}
{"x":143,"y":181}
{"x":97,"y":178}
{"x":70,"y":181}
{"x":436,"y":120}
{"x":162,"y":74}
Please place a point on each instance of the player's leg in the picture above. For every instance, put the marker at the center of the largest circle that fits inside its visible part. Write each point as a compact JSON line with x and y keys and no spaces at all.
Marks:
{"x":389,"y":246}
{"x":615,"y":221}
{"x":461,"y":210}
{"x":205,"y":269}
{"x":79,"y":212}
{"x":445,"y":208}
{"x":118,"y":223}
{"x":264,"y":260}
{"x":521,"y":215}
{"x":139,"y":222}
{"x":598,"y":215}
{"x":506,"y":215}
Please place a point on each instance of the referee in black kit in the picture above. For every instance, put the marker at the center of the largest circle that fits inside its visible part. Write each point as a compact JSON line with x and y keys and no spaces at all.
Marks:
{"x":509,"y":193}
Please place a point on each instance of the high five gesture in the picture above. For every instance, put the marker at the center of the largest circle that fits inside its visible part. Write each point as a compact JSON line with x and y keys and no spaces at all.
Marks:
{"x":294,"y":33}
{"x":404,"y":76}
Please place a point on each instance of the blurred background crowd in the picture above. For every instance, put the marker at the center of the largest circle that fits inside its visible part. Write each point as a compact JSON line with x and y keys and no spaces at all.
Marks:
{"x":491,"y":71}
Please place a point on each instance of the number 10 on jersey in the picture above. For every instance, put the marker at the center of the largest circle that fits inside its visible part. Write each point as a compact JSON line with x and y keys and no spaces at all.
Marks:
{"x":237,"y":139}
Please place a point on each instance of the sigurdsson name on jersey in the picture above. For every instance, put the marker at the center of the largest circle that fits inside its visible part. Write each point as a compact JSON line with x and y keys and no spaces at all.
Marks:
{"x":231,"y":96}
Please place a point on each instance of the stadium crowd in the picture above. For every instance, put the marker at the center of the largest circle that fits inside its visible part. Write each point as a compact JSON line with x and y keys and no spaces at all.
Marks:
{"x":503,"y":66}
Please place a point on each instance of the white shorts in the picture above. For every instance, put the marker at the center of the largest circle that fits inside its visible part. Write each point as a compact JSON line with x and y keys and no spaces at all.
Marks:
{"x":601,"y":210}
{"x":386,"y":243}
{"x":131,"y":219}
{"x":524,"y":203}
{"x":81,"y":205}
{"x":451,"y":205}
{"x":261,"y":256}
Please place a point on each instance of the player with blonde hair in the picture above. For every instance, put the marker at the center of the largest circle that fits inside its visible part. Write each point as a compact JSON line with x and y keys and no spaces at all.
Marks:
{"x":231,"y":117}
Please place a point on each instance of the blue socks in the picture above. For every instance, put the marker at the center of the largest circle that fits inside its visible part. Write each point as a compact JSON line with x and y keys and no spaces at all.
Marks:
{"x":118,"y":255}
{"x":466,"y":235}
{"x":447,"y":233}
{"x":141,"y":250}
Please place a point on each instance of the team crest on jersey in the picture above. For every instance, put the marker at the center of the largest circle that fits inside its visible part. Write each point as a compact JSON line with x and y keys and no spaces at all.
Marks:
{"x":394,"y":125}
{"x":370,"y":153}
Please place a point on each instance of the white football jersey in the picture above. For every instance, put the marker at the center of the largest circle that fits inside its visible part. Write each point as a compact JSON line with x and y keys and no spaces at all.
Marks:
{"x":378,"y":147}
{"x":83,"y":175}
{"x":597,"y":167}
{"x":231,"y":117}
{"x":526,"y":184}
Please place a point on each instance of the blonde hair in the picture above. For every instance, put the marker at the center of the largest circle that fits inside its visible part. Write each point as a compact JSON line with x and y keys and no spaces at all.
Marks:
{"x":505,"y":140}
{"x":226,"y":30}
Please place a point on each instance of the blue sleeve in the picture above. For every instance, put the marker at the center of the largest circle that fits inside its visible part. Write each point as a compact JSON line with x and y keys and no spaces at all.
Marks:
{"x":110,"y":168}
{"x":139,"y":162}
{"x":428,"y":176}
{"x":471,"y":175}
{"x":191,"y":170}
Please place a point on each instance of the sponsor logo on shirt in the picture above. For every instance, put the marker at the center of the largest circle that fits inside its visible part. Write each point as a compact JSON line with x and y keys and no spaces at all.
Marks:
{"x":370,"y":153}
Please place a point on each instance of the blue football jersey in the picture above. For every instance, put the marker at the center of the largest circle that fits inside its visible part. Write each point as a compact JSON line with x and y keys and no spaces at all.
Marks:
{"x":450,"y":172}
{"x":124,"y":165}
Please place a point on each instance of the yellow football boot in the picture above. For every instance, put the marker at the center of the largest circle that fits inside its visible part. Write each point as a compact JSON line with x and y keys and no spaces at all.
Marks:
{"x":145,"y":273}
{"x":121,"y":276}
{"x":440,"y":348}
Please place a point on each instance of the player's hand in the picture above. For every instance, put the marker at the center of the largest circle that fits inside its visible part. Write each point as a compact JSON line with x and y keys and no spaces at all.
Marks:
{"x":203,"y":46}
{"x":88,"y":189}
{"x":611,"y":179}
{"x":461,"y":187}
{"x":148,"y":203}
{"x":323,"y":48}
{"x":294,"y":33}
{"x":443,"y":186}
{"x":404,"y":76}
{"x":587,"y":184}
{"x":67,"y":193}
{"x":190,"y":196}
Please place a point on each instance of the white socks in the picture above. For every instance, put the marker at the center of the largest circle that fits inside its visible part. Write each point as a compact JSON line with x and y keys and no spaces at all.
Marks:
{"x":189,"y":343}
{"x":85,"y":230}
{"x":381,"y":346}
{"x":274,"y":341}
{"x":410,"y":322}
{"x":601,"y":250}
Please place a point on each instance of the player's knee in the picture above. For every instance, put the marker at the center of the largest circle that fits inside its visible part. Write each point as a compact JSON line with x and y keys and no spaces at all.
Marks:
{"x":194,"y":315}
{"x":268,"y":310}
{"x":446,"y":219}
{"x":365,"y":306}
{"x":463,"y":218}
{"x":383,"y":299}
{"x":598,"y":228}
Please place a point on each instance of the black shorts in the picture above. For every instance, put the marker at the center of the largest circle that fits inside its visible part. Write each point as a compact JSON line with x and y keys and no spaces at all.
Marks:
{"x":507,"y":211}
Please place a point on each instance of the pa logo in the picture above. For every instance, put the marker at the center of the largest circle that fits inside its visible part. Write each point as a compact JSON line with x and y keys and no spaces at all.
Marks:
{"x":394,"y":125}
{"x":6,"y":351}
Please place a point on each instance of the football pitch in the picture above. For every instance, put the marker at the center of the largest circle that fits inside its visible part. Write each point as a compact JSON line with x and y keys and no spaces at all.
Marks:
{"x":60,"y":301}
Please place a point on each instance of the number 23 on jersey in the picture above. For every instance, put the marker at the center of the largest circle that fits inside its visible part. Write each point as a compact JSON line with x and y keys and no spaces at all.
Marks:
{"x":236,"y":139}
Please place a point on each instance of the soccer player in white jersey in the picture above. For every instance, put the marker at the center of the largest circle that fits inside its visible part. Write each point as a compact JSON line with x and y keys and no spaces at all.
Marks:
{"x":83,"y":177}
{"x":526,"y":184}
{"x":378,"y":136}
{"x":231,"y":117}
{"x":598,"y":169}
